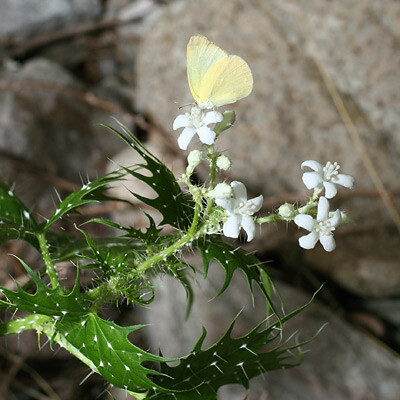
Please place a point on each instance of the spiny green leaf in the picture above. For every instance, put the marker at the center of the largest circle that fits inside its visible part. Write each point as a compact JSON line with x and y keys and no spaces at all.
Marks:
{"x":101,"y":344}
{"x":16,"y":222}
{"x":174,"y":205}
{"x":229,"y":361}
{"x":151,"y":235}
{"x":46,"y":300}
{"x":88,"y":193}
{"x":68,"y":246}
{"x":12,"y":209}
{"x":226,"y":123}
{"x":104,"y":346}
{"x":231,"y":259}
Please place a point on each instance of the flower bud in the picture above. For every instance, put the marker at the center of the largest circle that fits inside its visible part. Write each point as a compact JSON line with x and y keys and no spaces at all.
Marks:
{"x":287,"y":211}
{"x":194,"y":159}
{"x":223,"y":162}
{"x":221,"y":191}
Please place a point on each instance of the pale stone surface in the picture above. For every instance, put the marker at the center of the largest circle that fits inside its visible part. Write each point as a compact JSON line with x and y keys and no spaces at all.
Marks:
{"x":290,"y":116}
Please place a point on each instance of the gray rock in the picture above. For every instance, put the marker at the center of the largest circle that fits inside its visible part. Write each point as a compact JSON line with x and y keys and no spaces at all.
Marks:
{"x":290,"y":117}
{"x":42,"y":122}
{"x":20,"y":20}
{"x":338,"y":362}
{"x":386,"y":308}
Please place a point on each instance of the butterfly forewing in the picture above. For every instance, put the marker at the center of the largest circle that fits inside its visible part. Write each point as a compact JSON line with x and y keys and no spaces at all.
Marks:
{"x":201,"y":56}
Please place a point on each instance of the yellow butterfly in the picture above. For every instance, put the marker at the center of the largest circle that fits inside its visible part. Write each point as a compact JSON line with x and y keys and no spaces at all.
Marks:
{"x":215,"y":77}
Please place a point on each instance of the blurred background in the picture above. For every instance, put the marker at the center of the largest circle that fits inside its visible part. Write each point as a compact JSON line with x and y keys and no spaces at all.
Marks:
{"x":326,"y":87}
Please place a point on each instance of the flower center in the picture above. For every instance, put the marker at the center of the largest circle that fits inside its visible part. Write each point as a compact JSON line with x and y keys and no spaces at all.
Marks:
{"x":196,"y":117}
{"x":331,"y":171}
{"x":247,"y":208}
{"x":324,"y":228}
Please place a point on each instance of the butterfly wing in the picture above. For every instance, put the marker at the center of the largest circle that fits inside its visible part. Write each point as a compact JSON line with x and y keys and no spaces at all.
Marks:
{"x":226,"y":81}
{"x":200,"y":57}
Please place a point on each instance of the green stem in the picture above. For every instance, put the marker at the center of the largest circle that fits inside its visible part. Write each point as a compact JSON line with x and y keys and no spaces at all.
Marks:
{"x":213,"y":167}
{"x":193,"y":227}
{"x":270,"y":218}
{"x":50,"y":267}
{"x":213,"y":164}
{"x":165,"y":253}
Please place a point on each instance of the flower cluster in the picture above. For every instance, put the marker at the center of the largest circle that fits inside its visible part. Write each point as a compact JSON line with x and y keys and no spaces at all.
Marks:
{"x":238,"y":211}
{"x":322,"y":228}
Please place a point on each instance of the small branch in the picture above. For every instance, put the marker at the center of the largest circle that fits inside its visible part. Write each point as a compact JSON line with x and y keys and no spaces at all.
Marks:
{"x":20,"y":363}
{"x":19,"y":49}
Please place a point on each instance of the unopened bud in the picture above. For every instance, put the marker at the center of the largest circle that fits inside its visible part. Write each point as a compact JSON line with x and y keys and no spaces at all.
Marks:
{"x":287,"y":211}
{"x":194,"y":159}
{"x":221,"y":191}
{"x":224,"y":162}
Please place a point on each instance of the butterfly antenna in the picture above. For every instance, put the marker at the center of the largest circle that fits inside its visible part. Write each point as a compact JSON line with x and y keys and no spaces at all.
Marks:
{"x":185,"y":105}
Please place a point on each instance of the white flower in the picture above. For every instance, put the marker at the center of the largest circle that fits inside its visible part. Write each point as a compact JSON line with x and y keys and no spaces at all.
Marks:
{"x":321,"y":229}
{"x":325,"y":177}
{"x":240,"y":211}
{"x":196,"y":122}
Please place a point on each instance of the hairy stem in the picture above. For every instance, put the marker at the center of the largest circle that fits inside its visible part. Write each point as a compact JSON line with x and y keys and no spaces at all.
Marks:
{"x":50,"y":267}
{"x":193,"y":227}
{"x":212,"y":156}
{"x":166,"y":252}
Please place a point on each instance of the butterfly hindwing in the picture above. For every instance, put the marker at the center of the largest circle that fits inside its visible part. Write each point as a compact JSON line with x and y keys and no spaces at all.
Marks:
{"x":227,"y":81}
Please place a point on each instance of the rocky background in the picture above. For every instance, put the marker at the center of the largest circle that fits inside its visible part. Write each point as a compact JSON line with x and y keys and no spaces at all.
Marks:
{"x":69,"y":65}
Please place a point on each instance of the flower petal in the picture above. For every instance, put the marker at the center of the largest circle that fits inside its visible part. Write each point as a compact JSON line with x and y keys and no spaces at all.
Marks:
{"x":328,"y":242}
{"x":257,"y":201}
{"x":249,"y":226}
{"x":312,"y":179}
{"x":336,"y":219}
{"x":309,"y":241}
{"x":231,"y":226}
{"x":314,"y":165}
{"x":323,"y":209}
{"x":185,"y":138}
{"x":304,"y":221}
{"x":345,"y":180}
{"x":206,"y":135}
{"x":239,"y":191}
{"x":226,"y":203}
{"x":330,"y":190}
{"x":180,"y":121}
{"x":212,"y":117}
